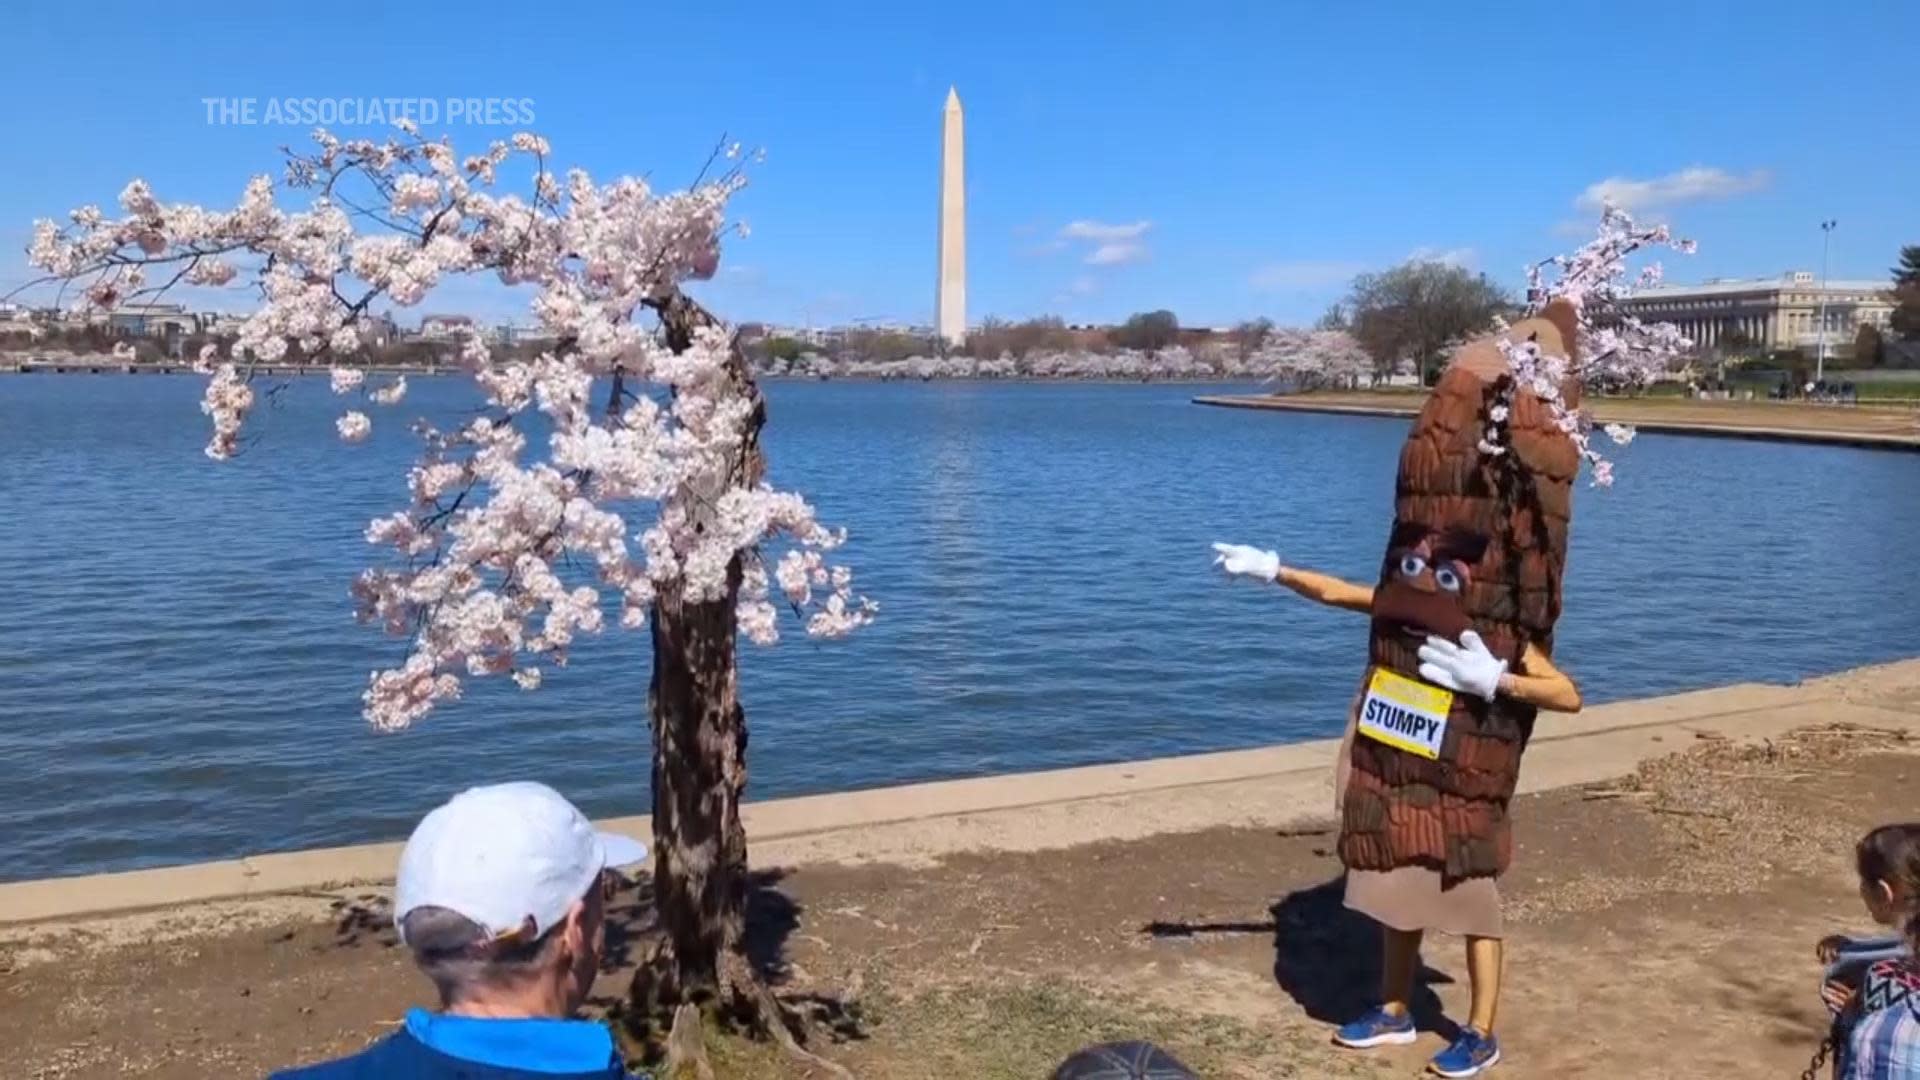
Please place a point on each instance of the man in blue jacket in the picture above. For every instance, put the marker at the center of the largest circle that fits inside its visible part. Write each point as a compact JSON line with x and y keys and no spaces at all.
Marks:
{"x":499,"y":898}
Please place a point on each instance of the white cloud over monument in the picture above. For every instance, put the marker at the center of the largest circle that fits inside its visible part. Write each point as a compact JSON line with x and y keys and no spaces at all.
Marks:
{"x":1113,"y":244}
{"x":1692,"y":184}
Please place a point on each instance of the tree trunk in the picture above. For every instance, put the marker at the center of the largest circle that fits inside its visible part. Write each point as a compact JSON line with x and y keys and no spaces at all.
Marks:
{"x":699,"y":774}
{"x":700,"y":746}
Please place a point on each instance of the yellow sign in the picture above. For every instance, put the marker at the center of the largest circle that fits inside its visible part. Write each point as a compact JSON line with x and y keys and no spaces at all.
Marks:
{"x":1405,"y":713}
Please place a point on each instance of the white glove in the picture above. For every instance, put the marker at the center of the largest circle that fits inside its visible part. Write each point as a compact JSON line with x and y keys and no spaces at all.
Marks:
{"x":1467,"y":668}
{"x":1243,"y":561}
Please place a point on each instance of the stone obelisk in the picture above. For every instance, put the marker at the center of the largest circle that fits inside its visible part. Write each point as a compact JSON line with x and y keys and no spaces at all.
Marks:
{"x":950,"y":296}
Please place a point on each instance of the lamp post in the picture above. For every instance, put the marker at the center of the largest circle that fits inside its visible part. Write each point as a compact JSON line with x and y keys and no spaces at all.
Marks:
{"x":1826,"y":246}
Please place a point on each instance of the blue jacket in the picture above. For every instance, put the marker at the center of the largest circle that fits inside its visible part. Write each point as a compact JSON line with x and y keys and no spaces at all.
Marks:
{"x":434,"y":1047}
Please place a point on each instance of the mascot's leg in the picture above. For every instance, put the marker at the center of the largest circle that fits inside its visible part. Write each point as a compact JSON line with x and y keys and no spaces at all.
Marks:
{"x":1485,"y":958}
{"x":1400,"y":962}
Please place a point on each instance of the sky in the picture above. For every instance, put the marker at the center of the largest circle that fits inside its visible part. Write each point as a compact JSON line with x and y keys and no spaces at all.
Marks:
{"x":1222,"y":160}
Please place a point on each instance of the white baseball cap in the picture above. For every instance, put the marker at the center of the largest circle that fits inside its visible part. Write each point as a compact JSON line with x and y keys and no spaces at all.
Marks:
{"x":505,"y":853}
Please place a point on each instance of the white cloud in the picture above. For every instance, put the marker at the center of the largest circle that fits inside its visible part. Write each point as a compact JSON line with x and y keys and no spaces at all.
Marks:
{"x":1118,"y":253}
{"x":1103,"y":232}
{"x":1302,"y":274}
{"x":1691,"y":184}
{"x":1111,"y":244}
{"x":1463,"y":257}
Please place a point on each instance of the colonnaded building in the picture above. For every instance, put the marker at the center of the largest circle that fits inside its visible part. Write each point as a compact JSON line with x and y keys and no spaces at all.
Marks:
{"x":1771,"y":313}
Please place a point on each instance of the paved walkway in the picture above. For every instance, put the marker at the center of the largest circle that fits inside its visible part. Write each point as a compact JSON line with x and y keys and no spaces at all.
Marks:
{"x":1892,"y":428}
{"x":916,"y":825}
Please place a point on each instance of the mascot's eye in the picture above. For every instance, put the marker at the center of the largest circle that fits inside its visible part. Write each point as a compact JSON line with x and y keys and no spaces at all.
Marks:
{"x":1412,"y":565}
{"x":1447,"y":578}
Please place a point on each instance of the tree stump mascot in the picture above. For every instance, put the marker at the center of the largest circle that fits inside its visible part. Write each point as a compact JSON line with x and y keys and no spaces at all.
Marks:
{"x":1459,"y":662}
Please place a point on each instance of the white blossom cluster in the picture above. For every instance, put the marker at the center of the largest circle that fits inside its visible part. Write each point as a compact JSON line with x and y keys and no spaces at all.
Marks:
{"x":1616,"y":350}
{"x":482,"y":577}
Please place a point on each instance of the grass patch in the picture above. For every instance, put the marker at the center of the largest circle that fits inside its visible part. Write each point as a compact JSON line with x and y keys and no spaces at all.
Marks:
{"x":1022,"y":1032}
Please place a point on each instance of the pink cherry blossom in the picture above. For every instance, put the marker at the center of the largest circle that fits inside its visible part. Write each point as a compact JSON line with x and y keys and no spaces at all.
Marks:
{"x":523,"y":525}
{"x":1616,"y":350}
{"x":226,"y":402}
{"x":354,"y":426}
{"x":391,"y":393}
{"x":345,"y":380}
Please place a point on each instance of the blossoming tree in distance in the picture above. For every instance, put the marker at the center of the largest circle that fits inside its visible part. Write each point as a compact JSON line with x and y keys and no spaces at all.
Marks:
{"x":521,"y":530}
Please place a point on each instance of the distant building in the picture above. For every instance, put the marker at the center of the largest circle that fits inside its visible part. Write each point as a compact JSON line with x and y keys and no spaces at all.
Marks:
{"x":152,"y":320}
{"x":445,"y":327}
{"x":1777,"y":313}
{"x":508,"y":334}
{"x":217,"y":323}
{"x":805,"y":334}
{"x":378,"y":331}
{"x":16,"y":321}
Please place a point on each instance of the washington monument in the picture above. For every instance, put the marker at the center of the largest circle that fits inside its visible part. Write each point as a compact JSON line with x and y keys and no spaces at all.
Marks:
{"x":950,"y":295}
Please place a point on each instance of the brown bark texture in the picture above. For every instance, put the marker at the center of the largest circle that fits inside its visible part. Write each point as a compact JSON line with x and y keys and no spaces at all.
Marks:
{"x":700,"y":755}
{"x":1509,"y":514}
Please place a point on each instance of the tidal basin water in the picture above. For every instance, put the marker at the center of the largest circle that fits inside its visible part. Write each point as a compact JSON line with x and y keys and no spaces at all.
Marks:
{"x":181,"y":676}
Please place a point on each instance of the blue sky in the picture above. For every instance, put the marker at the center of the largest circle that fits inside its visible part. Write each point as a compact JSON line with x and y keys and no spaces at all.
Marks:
{"x":1232,"y":160}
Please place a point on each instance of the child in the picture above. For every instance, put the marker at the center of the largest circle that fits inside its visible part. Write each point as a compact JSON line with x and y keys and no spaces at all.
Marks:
{"x":1865,"y":976}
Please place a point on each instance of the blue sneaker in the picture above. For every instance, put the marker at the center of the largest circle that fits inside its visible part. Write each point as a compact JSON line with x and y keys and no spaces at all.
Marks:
{"x":1378,"y":1028}
{"x":1470,"y":1055}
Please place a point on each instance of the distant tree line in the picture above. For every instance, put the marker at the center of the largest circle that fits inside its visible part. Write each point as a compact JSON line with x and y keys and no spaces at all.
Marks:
{"x":96,"y":340}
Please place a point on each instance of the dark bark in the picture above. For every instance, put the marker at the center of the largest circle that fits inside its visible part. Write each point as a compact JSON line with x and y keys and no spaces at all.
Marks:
{"x":700,"y":877}
{"x":699,"y":774}
{"x":700,"y":749}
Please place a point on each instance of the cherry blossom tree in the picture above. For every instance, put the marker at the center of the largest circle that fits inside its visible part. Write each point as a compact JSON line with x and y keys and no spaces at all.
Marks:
{"x":1309,"y":358}
{"x":629,"y":450}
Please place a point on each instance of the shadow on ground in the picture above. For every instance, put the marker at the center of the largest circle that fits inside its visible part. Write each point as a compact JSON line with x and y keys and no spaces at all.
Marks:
{"x":773,"y":915}
{"x":1326,"y":957}
{"x":367,"y":917}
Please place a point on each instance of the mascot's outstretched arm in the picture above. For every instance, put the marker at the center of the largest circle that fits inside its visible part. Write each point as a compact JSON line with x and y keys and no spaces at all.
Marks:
{"x":1241,"y":560}
{"x":1465,"y":667}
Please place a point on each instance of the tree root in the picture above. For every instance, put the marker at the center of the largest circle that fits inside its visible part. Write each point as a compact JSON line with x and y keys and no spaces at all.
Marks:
{"x":687,"y":1046}
{"x":745,"y":1003}
{"x":776,"y":1018}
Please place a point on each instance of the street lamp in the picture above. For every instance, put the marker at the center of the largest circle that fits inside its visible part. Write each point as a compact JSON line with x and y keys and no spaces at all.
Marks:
{"x":1826,"y":246}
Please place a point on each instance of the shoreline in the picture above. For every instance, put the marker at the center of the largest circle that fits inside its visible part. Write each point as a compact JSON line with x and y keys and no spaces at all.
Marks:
{"x":918,"y":825}
{"x":1644,"y":417}
{"x":120,"y":367}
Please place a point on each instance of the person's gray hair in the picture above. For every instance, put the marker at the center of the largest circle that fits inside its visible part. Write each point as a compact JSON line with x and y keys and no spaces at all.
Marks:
{"x":459,"y":954}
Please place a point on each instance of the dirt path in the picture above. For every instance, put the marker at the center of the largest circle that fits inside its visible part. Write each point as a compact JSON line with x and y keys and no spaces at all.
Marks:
{"x":1664,"y":928}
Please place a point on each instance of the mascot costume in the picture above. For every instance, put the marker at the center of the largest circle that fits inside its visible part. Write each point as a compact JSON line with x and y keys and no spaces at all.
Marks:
{"x":1459,"y":663}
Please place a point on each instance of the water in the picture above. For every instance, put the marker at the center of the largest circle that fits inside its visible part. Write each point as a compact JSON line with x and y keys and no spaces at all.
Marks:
{"x":182,"y":674}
